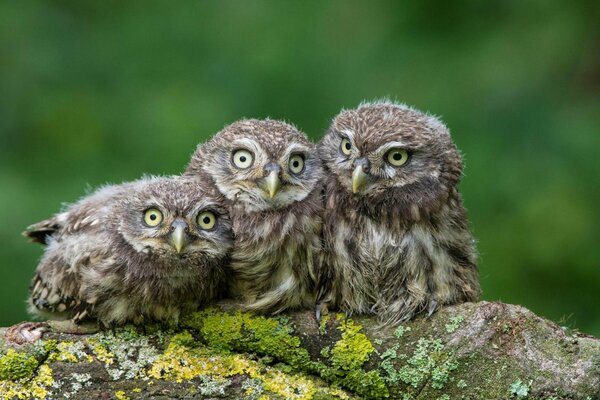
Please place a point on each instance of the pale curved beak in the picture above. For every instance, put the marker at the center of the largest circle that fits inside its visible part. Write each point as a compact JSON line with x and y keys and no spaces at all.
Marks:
{"x":179,"y":237}
{"x":359,"y":178}
{"x":273,"y":183}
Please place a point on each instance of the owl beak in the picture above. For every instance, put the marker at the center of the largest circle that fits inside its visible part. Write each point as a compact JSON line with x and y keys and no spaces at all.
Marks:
{"x":272,"y":181}
{"x":179,"y":236}
{"x":359,"y":178}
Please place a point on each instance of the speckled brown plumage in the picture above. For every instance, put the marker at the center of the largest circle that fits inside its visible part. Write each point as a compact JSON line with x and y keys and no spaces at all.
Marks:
{"x":401,"y":244}
{"x":103,"y":261}
{"x":275,"y":211}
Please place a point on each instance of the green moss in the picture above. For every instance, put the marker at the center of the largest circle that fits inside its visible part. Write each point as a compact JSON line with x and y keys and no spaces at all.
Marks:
{"x":185,"y":359}
{"x":245,"y":332}
{"x":15,"y":366}
{"x":353,"y":349}
{"x":323,"y":324}
{"x":36,"y":388}
{"x":219,"y":329}
{"x":347,"y":358}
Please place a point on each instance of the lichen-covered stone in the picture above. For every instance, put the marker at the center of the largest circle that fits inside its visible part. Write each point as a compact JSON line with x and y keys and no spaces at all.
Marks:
{"x":469,"y":351}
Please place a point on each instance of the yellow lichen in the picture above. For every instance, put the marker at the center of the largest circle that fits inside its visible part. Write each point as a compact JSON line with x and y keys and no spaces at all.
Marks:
{"x":121,"y":395}
{"x":181,"y":362}
{"x":245,"y":332}
{"x":33,"y":389}
{"x":69,"y":352}
{"x":16,"y":365}
{"x":101,"y":352}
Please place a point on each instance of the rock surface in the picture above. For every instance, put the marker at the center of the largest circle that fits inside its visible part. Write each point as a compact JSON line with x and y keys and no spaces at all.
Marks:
{"x":469,"y":351}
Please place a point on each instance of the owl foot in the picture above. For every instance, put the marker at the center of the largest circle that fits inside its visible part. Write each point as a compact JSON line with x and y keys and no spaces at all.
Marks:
{"x":432,"y":308}
{"x":25,"y":332}
{"x":320,"y":310}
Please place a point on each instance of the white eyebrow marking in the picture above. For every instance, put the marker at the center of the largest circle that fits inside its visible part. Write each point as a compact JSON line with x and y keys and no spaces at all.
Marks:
{"x":349,"y":134}
{"x":248,"y":143}
{"x":295,"y":148}
{"x":390,"y":145}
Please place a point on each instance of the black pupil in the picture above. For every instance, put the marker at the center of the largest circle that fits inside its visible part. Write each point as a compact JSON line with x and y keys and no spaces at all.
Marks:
{"x":152,"y":217}
{"x":206,"y":220}
{"x":397,"y":156}
{"x":296,"y":164}
{"x":243,"y":158}
{"x":347,"y":145}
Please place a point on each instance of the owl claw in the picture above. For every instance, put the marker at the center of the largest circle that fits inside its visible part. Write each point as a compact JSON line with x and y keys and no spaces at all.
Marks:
{"x":26,"y":332}
{"x":432,"y":307}
{"x":320,"y":310}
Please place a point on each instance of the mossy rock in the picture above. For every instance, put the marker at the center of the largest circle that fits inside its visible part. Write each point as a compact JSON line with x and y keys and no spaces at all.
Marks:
{"x":469,"y":351}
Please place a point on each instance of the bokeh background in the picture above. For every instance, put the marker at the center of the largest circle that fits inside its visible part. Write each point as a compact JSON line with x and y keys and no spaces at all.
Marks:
{"x":96,"y":92}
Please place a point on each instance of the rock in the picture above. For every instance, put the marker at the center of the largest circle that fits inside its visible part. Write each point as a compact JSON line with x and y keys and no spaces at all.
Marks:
{"x":469,"y":351}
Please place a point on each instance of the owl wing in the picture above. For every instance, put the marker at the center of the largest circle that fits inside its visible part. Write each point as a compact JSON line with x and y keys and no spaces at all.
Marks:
{"x":67,"y":272}
{"x":84,"y":214}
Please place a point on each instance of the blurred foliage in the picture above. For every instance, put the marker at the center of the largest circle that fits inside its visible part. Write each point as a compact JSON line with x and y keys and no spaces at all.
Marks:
{"x":105,"y":91}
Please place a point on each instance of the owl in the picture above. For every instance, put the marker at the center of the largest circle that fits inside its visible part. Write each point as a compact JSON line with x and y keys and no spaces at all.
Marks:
{"x":396,"y":237}
{"x":270,"y":175}
{"x":142,"y":251}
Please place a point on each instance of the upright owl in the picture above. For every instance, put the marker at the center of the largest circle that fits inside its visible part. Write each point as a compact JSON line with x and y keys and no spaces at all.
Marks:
{"x":270,"y":174}
{"x":397,"y":239}
{"x":141,"y":251}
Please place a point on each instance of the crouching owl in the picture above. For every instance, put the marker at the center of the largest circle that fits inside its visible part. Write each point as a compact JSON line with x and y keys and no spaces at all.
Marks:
{"x":269,"y":172}
{"x":397,"y":239}
{"x":140,"y":251}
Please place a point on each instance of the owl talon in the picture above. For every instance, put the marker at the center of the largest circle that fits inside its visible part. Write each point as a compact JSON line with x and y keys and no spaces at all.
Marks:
{"x":26,"y":332}
{"x":432,"y":308}
{"x":347,"y":315}
{"x":320,"y":310}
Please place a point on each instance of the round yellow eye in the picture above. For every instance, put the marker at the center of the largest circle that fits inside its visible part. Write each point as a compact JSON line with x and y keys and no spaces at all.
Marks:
{"x":243,"y":159}
{"x":153,"y":217}
{"x":397,"y":157}
{"x":207,"y":220}
{"x":296,"y":163}
{"x":346,"y":147}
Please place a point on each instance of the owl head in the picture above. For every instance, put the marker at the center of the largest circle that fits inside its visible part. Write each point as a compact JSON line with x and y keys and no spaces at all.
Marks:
{"x":260,"y":164}
{"x":173,"y":218}
{"x":390,"y":155}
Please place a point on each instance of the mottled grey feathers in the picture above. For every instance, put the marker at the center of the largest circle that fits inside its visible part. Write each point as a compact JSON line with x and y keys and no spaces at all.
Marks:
{"x":278,"y":238}
{"x":104,"y":262}
{"x":401,"y":244}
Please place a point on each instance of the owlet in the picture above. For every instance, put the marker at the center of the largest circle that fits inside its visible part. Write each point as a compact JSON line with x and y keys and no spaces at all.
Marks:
{"x":270,"y":173}
{"x":397,"y":239}
{"x":140,"y":251}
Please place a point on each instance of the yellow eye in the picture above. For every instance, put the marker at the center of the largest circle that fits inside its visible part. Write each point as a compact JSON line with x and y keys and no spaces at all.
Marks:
{"x":206,"y":220}
{"x":296,"y":163}
{"x":346,"y":147}
{"x":242,"y":158}
{"x":397,"y":157}
{"x":153,"y":217}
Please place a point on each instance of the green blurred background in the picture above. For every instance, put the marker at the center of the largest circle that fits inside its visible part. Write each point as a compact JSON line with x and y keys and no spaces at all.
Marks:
{"x":96,"y":92}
